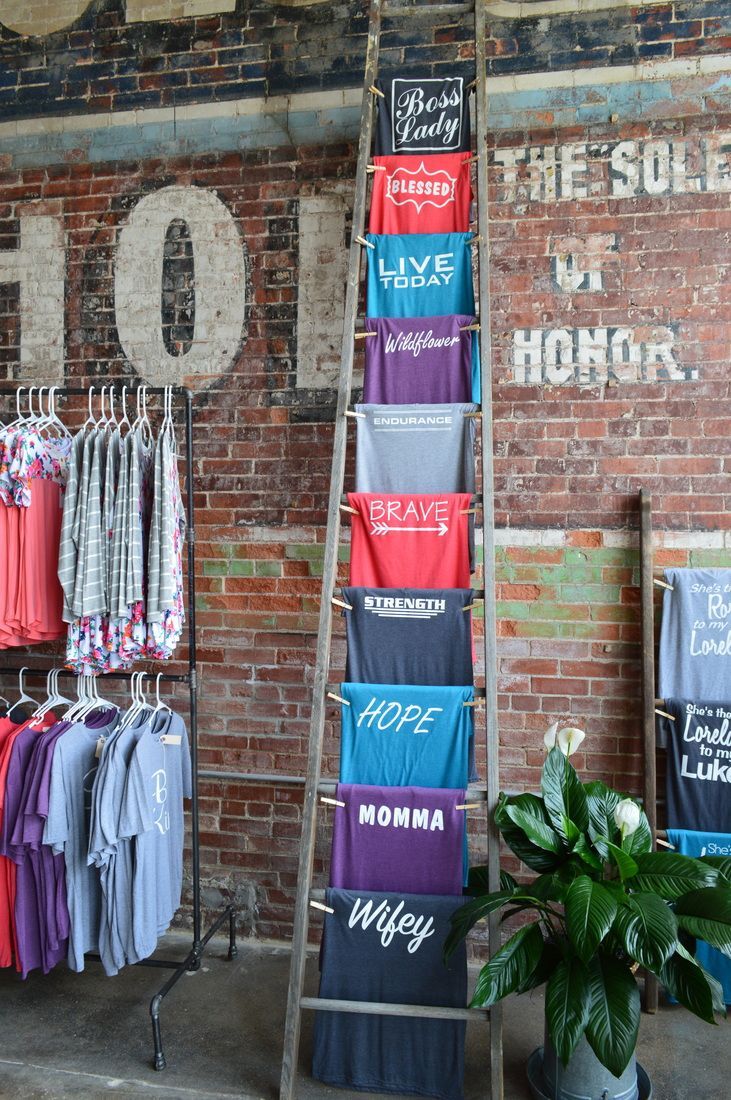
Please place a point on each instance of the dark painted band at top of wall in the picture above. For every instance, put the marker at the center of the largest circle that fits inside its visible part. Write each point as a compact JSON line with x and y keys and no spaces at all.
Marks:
{"x":103,"y":62}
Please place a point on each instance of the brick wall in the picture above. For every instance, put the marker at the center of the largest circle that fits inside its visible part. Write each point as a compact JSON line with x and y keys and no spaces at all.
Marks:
{"x":610,"y":182}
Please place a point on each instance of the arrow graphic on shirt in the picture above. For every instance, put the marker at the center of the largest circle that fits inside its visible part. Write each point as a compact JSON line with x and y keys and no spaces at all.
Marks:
{"x":383,"y":529}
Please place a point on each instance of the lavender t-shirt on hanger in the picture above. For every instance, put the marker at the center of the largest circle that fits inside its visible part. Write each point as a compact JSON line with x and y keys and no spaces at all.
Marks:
{"x":27,"y":925}
{"x":408,"y":839}
{"x":418,"y":360}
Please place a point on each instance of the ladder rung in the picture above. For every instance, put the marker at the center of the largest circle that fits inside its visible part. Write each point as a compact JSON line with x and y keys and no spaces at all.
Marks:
{"x":378,"y":1008}
{"x":478,"y":793}
{"x":397,"y":11}
{"x":476,"y":498}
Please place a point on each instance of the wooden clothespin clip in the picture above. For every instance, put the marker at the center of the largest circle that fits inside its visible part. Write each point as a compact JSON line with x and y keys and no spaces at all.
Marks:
{"x":341,"y":603}
{"x":664,"y":843}
{"x":468,"y":806}
{"x":471,"y":160}
{"x":663,"y":584}
{"x":472,"y":84}
{"x":664,"y":714}
{"x":467,"y":511}
{"x":347,"y":508}
{"x":332,"y":695}
{"x":353,"y":413}
{"x":469,"y":607}
{"x":473,"y":703}
{"x":475,"y":240}
{"x":363,"y":335}
{"x":364,"y":242}
{"x":473,"y":415}
{"x":319,"y":905}
{"x":331,"y":801}
{"x":470,"y":328}
{"x":376,"y":91}
{"x":375,"y":168}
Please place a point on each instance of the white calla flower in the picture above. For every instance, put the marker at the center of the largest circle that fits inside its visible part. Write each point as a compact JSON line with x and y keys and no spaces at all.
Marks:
{"x":549,"y":737}
{"x":627,"y":816}
{"x":569,"y":739}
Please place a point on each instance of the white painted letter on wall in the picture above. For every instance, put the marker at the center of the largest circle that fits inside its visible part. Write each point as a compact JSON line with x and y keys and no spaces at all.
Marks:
{"x":219,"y":283}
{"x":38,"y":266}
{"x":323,"y":265}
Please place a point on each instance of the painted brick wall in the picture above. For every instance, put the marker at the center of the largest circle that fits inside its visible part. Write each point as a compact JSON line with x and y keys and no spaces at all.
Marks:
{"x":610,"y":218}
{"x":103,"y":60}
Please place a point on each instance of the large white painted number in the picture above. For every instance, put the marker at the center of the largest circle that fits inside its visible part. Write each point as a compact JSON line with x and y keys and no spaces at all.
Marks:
{"x":53,"y":15}
{"x":220,"y":284}
{"x":38,"y":266}
{"x":39,"y":19}
{"x":145,"y":11}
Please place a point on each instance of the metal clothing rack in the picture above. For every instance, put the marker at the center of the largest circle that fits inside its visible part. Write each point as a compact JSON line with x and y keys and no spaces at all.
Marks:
{"x":192,"y":960}
{"x":314,"y":783}
{"x":647,"y":594}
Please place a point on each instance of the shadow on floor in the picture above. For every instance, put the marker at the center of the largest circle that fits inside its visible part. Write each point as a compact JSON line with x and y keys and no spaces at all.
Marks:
{"x":86,"y":1035}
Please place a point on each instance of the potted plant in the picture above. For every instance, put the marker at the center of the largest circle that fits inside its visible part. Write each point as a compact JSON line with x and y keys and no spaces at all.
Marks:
{"x":603,"y":904}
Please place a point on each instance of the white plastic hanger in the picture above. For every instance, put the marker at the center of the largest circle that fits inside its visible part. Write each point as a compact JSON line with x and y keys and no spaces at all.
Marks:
{"x":160,"y":704}
{"x":112,"y":418}
{"x":125,"y":418}
{"x":55,"y":421}
{"x":44,"y":707}
{"x":90,"y":422}
{"x":24,"y":697}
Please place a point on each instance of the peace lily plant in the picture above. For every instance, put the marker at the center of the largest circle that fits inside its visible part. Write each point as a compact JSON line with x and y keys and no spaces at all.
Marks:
{"x":603,"y":904}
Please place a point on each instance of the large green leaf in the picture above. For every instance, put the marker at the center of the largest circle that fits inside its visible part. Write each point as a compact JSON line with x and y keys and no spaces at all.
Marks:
{"x":684,"y":979}
{"x":707,"y":915}
{"x":624,"y":862}
{"x":537,"y":831}
{"x":547,"y":963}
{"x":647,"y":929}
{"x":535,"y":857}
{"x":568,"y":1001}
{"x":590,"y":912}
{"x":563,"y":795}
{"x":602,"y":802}
{"x":507,"y":882}
{"x":670,"y":875}
{"x":722,"y":864}
{"x":583,"y":849}
{"x":614,"y":1016}
{"x":719,"y":1001}
{"x":509,"y":967}
{"x":641,"y":839}
{"x":467,"y":916}
{"x":530,"y":854}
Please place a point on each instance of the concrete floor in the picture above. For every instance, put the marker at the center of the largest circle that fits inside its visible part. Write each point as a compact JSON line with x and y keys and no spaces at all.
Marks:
{"x":89,"y":1036}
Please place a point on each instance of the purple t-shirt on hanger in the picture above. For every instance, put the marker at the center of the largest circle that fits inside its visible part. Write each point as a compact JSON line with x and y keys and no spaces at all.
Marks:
{"x":48,"y":871}
{"x":27,"y":925}
{"x":418,"y":360}
{"x":398,"y":838}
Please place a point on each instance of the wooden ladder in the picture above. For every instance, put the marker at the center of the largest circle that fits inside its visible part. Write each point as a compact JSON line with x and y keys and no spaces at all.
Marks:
{"x":296,"y":1002}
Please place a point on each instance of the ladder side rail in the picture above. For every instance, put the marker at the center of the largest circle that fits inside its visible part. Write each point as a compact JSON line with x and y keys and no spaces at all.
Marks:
{"x":329,"y":578}
{"x":488,"y":527}
{"x":647,"y":593}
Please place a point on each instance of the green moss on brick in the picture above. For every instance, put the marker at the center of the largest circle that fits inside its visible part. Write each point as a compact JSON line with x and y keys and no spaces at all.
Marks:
{"x":265,"y":567}
{"x":215,"y":568}
{"x":710,"y":559}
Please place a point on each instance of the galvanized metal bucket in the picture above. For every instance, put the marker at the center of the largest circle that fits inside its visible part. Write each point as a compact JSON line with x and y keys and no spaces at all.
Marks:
{"x":585,"y":1078}
{"x":539,"y":1089}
